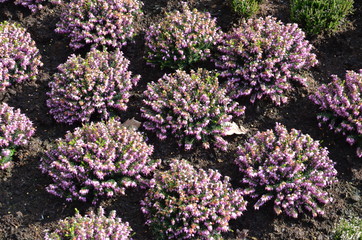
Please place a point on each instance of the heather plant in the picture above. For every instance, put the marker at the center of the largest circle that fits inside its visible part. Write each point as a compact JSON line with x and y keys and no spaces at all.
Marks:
{"x":99,"y":83}
{"x":15,"y":130}
{"x":94,"y":226}
{"x":186,"y":203}
{"x":181,"y":39}
{"x":98,"y":160}
{"x":245,"y":8}
{"x":318,"y":16}
{"x":19,"y":56}
{"x":289,"y":168}
{"x":348,"y":229}
{"x":264,"y":58}
{"x":341,"y":104}
{"x":190,"y":107}
{"x":33,"y":5}
{"x":99,"y":22}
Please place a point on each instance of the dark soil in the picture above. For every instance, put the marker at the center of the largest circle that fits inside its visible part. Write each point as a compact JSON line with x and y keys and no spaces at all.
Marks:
{"x":27,"y":210}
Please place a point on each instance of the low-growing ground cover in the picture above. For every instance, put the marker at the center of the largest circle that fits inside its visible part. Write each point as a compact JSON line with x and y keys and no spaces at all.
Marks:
{"x":27,"y":210}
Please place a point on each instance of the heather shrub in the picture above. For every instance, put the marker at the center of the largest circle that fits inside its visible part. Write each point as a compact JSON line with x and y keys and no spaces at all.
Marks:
{"x":263,"y":58}
{"x":340,"y":103}
{"x":15,"y":130}
{"x":98,"y":159}
{"x":33,"y":5}
{"x":181,"y":38}
{"x":245,"y":8}
{"x":348,"y":229}
{"x":289,"y":168}
{"x":190,"y":107}
{"x":99,"y":22}
{"x":318,"y":16}
{"x":95,"y":226}
{"x":186,"y":203}
{"x":99,"y":83}
{"x":19,"y":56}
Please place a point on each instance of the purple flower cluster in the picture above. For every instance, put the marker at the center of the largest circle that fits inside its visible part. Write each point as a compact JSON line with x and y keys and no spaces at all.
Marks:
{"x":191,"y":107}
{"x":33,"y":5}
{"x":262,"y":56}
{"x":92,"y":226}
{"x":186,"y":203}
{"x":341,"y":103}
{"x":98,"y":159}
{"x":97,"y":83}
{"x":19,"y":56}
{"x":15,"y":130}
{"x":289,"y":168}
{"x":181,"y":38}
{"x":99,"y":23}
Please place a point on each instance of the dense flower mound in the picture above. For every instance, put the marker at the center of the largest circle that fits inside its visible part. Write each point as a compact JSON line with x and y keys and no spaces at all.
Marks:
{"x":99,"y":22}
{"x":289,"y":168}
{"x":186,"y":203}
{"x":98,"y":83}
{"x":92,"y":226}
{"x":19,"y":56}
{"x":15,"y":130}
{"x":341,"y":105}
{"x":98,"y":159}
{"x":191,"y":107}
{"x":181,"y":38}
{"x":262,"y":58}
{"x":33,"y":5}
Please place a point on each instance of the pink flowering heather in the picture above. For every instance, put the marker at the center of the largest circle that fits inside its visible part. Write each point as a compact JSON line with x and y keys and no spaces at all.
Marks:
{"x":15,"y":130}
{"x":99,"y":22}
{"x":186,"y":203}
{"x":92,"y":226}
{"x":98,"y":159}
{"x":98,"y":83}
{"x":181,"y":38}
{"x":341,"y":105}
{"x":19,"y":57}
{"x":191,"y":107}
{"x":33,"y":5}
{"x":289,"y":168}
{"x":263,"y":57}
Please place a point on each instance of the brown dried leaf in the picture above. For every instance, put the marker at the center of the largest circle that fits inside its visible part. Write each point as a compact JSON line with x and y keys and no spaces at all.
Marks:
{"x":233,"y":128}
{"x":132,"y":124}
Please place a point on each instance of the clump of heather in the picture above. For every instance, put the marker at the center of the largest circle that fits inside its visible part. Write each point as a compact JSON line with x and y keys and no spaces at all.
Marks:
{"x":186,"y":203}
{"x":33,"y":5}
{"x":190,"y":107}
{"x":15,"y":130}
{"x":348,"y":229}
{"x":181,"y":38}
{"x":341,"y":105}
{"x":263,"y":57}
{"x":98,"y":83}
{"x":19,"y":56}
{"x":94,"y":226}
{"x":289,"y":168}
{"x":320,"y":16}
{"x":99,"y":22}
{"x":98,"y":159}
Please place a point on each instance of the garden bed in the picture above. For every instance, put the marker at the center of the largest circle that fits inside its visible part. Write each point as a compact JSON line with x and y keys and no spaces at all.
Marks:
{"x":27,"y":209}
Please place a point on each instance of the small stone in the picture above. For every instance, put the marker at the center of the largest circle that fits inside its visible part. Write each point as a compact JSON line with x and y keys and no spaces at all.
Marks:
{"x":356,"y":197}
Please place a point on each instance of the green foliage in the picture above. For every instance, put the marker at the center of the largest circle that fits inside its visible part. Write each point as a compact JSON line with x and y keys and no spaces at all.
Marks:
{"x":318,"y":16}
{"x":349,"y":229}
{"x":245,"y":8}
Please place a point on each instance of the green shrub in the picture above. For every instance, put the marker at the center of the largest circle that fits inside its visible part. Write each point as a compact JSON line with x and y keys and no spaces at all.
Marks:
{"x":349,"y":229}
{"x":245,"y":8}
{"x":318,"y":16}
